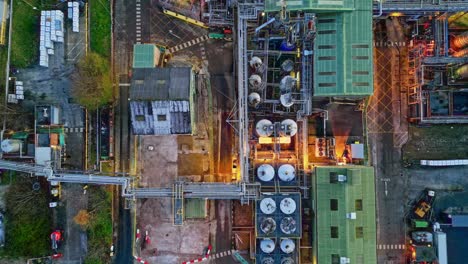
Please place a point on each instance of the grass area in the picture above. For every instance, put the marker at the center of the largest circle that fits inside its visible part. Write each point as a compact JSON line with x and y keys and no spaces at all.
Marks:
{"x":100,"y":27}
{"x":437,"y":142}
{"x":100,"y":228}
{"x":27,"y":220}
{"x":25,"y":41}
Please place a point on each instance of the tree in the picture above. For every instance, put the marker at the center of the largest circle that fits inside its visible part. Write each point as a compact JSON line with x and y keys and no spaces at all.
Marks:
{"x":92,"y":82}
{"x":82,"y":218}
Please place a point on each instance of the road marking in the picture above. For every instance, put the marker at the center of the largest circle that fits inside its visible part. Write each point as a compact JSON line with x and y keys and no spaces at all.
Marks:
{"x":391,"y":247}
{"x":73,"y":129}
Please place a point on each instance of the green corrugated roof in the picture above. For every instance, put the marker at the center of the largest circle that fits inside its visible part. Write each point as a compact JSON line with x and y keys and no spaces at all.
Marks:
{"x":20,"y":135}
{"x":343,"y":64}
{"x":316,"y":5}
{"x":195,"y":208}
{"x":143,"y":55}
{"x":360,"y":186}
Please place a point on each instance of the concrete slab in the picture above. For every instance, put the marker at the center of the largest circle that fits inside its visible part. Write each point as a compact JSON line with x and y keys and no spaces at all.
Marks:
{"x":158,"y":161}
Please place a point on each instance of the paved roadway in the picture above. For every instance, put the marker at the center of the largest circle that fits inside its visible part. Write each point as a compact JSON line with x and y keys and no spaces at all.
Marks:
{"x":219,"y":56}
{"x":123,"y":38}
{"x":387,"y":131}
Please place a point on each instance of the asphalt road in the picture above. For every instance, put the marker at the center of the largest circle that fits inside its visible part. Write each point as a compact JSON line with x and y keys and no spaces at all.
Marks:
{"x":124,"y":244}
{"x":219,"y":56}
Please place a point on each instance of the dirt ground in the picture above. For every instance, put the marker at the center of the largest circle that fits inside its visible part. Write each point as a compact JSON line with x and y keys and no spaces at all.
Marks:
{"x":169,"y":243}
{"x":158,"y":161}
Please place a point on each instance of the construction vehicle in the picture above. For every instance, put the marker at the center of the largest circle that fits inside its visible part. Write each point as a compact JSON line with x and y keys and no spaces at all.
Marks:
{"x":424,"y":204}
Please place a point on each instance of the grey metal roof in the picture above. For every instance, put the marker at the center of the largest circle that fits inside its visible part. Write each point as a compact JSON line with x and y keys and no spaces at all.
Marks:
{"x":160,"y":117}
{"x":161,"y":84}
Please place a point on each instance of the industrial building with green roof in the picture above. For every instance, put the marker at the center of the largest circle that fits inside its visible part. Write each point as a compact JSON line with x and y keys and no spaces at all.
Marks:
{"x":343,"y":58}
{"x":345,"y":228}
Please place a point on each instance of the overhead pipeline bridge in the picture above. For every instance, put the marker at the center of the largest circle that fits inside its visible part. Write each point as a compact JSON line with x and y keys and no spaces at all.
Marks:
{"x":221,"y":191}
{"x":418,"y":7}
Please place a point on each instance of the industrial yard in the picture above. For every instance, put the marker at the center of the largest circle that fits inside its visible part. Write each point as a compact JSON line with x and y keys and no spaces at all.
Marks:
{"x":240,"y":131}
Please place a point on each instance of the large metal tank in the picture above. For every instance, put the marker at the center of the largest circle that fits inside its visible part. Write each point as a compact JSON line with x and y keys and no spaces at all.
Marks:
{"x":268,"y":206}
{"x":288,"y":128}
{"x":267,"y":245}
{"x":264,"y":128}
{"x":254,"y":99}
{"x":288,"y":206}
{"x":11,"y":145}
{"x":268,"y":225}
{"x":286,"y":172}
{"x":287,"y":246}
{"x":266,"y":173}
{"x":288,"y":225}
{"x":255,"y":82}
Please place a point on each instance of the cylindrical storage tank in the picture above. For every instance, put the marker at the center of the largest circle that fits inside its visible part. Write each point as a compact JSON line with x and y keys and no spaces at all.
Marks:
{"x":287,"y":172}
{"x":255,"y":62}
{"x":268,"y":206}
{"x":288,"y":206}
{"x":255,"y":82}
{"x":268,"y":225}
{"x":264,"y":128}
{"x":265,"y":172}
{"x":267,"y":245}
{"x":268,"y":260}
{"x":11,"y":145}
{"x":287,"y":83}
{"x":287,"y":65}
{"x":287,"y":260}
{"x":288,"y":128}
{"x":288,"y":225}
{"x":287,"y":246}
{"x":254,"y":99}
{"x":286,"y":100}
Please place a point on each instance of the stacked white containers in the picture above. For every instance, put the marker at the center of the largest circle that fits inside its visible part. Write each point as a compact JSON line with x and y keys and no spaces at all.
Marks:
{"x":74,"y":14}
{"x":51,"y":31}
{"x":19,"y":90}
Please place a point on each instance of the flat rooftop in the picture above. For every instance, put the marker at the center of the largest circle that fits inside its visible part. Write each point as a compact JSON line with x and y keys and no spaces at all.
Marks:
{"x":338,"y":235}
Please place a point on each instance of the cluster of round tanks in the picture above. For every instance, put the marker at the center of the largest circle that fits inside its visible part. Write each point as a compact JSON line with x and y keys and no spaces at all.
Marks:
{"x":286,"y":172}
{"x":284,"y":260}
{"x":265,"y":128}
{"x":287,"y":246}
{"x":287,"y":224}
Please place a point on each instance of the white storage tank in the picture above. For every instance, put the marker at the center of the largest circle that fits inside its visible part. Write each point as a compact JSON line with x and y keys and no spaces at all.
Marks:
{"x":286,"y":172}
{"x":268,"y":206}
{"x":267,"y":245}
{"x":288,"y":128}
{"x":287,"y":246}
{"x":265,"y":172}
{"x":264,"y":128}
{"x":11,"y":145}
{"x":288,"y":206}
{"x":255,"y":82}
{"x":254,"y":99}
